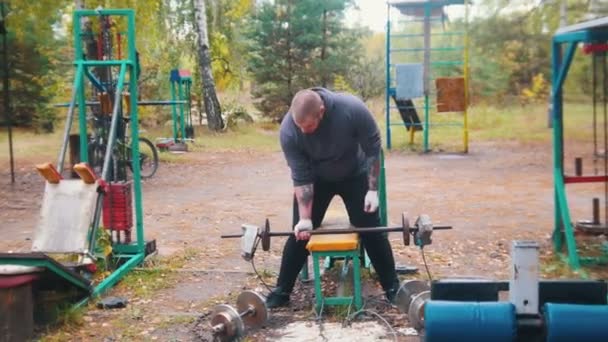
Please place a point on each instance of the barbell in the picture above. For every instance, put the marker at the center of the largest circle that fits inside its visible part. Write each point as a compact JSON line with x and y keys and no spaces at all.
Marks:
{"x":422,"y":231}
{"x":228,"y":324}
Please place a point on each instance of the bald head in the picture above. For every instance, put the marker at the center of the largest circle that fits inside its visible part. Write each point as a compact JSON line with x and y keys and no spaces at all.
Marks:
{"x":307,"y":109}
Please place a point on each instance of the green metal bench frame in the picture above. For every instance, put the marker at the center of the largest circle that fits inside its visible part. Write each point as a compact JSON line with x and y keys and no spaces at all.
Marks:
{"x":356,"y":298}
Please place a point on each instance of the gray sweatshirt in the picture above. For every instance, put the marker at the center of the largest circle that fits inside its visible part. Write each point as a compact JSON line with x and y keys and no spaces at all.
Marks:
{"x":338,"y":149}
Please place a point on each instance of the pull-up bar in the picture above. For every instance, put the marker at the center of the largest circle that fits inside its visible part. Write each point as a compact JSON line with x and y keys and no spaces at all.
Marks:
{"x":139,"y":103}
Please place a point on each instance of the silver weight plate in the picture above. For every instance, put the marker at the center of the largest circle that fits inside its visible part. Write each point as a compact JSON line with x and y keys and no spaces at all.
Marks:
{"x":407,"y":290}
{"x":415,"y":313}
{"x":230,"y":320}
{"x":254,"y":301}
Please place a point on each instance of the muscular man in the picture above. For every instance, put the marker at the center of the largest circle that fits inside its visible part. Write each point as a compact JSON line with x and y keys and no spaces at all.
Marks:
{"x":332,"y":146}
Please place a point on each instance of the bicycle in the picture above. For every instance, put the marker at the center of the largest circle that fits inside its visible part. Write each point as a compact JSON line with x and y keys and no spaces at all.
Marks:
{"x":122,"y":152}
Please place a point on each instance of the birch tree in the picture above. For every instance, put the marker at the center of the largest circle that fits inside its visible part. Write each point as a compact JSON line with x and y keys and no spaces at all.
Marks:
{"x":211,"y":103}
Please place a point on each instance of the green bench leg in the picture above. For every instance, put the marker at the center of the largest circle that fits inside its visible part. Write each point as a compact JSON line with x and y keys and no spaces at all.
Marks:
{"x":320,"y":300}
{"x":357,"y":282}
{"x":317,"y":276}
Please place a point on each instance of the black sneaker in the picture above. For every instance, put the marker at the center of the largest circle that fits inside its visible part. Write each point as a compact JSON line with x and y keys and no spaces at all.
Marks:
{"x":277,"y":298}
{"x":391,"y":293}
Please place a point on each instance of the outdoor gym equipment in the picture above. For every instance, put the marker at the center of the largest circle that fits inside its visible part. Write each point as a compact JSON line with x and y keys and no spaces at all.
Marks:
{"x":469,"y":309}
{"x":228,"y":323}
{"x":594,"y":35}
{"x":424,"y":61}
{"x":183,"y":131}
{"x":72,"y":209}
{"x":252,"y":235}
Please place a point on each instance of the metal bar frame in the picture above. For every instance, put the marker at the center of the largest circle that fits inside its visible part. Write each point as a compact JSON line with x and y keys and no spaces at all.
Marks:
{"x":428,"y":6}
{"x":180,"y":93}
{"x":37,"y":260}
{"x":320,"y":300}
{"x":563,"y":230}
{"x":174,"y":112}
{"x":136,"y":251}
{"x":128,"y":67}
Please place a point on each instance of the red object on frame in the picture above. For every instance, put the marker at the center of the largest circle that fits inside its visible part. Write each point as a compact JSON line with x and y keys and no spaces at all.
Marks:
{"x":117,"y":207}
{"x":585,"y":179}
{"x":594,"y":48}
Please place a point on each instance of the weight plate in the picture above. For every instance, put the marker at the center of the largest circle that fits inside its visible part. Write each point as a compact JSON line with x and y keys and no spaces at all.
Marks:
{"x":232,"y":323}
{"x":588,"y":227}
{"x":415,"y":314}
{"x":405,"y":223}
{"x":252,"y":300}
{"x":407,"y":291}
{"x":265,"y":236}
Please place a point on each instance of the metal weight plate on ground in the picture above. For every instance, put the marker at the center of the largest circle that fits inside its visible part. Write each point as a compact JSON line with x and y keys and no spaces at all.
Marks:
{"x":232,"y":323}
{"x":405,"y":222}
{"x":588,"y":227}
{"x":252,"y":300}
{"x":415,"y":313}
{"x":407,"y":291}
{"x":265,"y":236}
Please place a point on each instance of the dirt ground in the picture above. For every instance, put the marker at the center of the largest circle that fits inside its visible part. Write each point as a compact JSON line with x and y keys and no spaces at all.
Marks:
{"x":497,"y":193}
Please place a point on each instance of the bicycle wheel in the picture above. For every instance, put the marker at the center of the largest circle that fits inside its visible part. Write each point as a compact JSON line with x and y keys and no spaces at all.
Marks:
{"x":148,"y":158}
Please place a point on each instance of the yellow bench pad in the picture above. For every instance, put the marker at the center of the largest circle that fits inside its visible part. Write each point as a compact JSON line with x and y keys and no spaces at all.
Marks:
{"x":333,"y":242}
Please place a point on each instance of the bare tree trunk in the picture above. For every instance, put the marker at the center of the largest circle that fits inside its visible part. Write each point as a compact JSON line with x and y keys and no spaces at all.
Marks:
{"x":212,"y":105}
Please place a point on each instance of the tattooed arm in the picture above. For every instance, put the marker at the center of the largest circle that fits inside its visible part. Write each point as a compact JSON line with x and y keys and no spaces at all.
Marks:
{"x":374,"y":172}
{"x":301,"y":174}
{"x":304,"y":195}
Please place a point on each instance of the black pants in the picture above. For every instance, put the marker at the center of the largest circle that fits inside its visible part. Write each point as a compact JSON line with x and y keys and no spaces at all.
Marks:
{"x":353,"y":193}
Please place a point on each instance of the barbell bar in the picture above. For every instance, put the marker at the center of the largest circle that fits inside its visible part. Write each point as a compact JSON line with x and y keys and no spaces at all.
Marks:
{"x":422,"y":228}
{"x":228,"y":324}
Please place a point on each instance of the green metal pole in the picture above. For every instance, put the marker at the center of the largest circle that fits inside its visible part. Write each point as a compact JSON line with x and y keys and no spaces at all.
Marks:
{"x":181,"y":111}
{"x":82,"y":110}
{"x":174,"y":112}
{"x":113,"y":278}
{"x":188,"y":97}
{"x":562,"y":213}
{"x":426,"y":73}
{"x":135,"y":136}
{"x":557,"y":228}
{"x":382,"y":193}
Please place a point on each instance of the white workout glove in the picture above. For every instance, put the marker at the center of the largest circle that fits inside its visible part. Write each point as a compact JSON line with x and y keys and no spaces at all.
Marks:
{"x":302,"y":229}
{"x":371,"y":201}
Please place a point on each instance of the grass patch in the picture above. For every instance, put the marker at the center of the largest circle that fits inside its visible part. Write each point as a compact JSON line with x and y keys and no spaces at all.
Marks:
{"x":156,"y":274}
{"x":526,"y":124}
{"x":250,"y":137}
{"x":28,"y":145}
{"x":68,"y":320}
{"x":176,"y":320}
